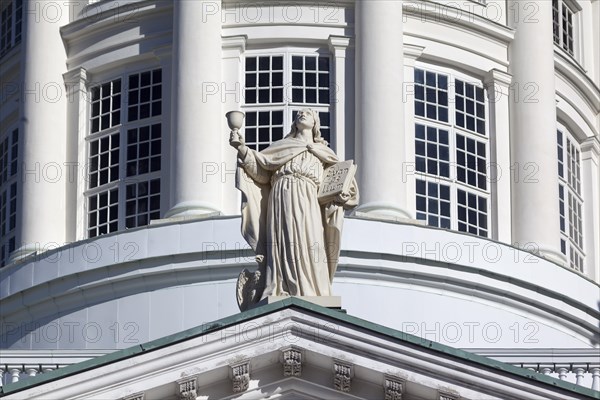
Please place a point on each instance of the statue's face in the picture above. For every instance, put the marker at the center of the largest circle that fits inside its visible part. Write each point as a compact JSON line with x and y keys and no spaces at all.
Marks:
{"x":305,"y":119}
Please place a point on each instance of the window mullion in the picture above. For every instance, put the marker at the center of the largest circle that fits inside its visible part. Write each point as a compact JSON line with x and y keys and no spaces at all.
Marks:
{"x":287,"y":80}
{"x":122,"y":165}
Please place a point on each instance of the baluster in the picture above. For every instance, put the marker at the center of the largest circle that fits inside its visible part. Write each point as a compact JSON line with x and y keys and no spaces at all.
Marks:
{"x":546,"y":370}
{"x":15,"y":373}
{"x":562,"y":373}
{"x":2,"y":371}
{"x":579,"y":371}
{"x":595,"y":378}
{"x":31,"y":371}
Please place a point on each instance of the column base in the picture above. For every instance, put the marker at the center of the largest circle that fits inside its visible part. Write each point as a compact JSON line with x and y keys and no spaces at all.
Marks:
{"x":544,"y":252}
{"x":383,"y":210}
{"x":553,"y":256}
{"x":192,"y":208}
{"x":23,"y":252}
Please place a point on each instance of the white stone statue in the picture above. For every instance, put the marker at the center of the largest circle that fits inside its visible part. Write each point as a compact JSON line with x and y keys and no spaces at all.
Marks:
{"x":295,"y":238}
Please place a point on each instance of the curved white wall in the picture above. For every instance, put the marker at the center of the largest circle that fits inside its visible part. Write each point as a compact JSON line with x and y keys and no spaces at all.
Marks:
{"x":148,"y":282}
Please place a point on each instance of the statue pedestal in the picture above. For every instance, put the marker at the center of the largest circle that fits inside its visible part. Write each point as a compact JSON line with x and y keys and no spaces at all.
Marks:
{"x":323,"y":301}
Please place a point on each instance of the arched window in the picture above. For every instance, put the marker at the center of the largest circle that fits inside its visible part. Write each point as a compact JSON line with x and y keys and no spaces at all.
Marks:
{"x":451,"y":151}
{"x":570,"y":198}
{"x":124,"y":152}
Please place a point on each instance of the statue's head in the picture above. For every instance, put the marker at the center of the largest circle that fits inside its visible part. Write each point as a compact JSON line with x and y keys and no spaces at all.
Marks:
{"x":307,"y":118}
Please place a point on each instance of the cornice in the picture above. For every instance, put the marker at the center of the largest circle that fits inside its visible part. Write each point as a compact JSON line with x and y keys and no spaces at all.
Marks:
{"x":85,"y":28}
{"x":574,"y":74}
{"x":476,"y":23}
{"x":382,"y":352}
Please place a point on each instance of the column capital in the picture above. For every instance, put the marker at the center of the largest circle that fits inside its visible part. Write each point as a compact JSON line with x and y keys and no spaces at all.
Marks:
{"x":591,"y":144}
{"x":497,"y":83}
{"x":338,"y":45}
{"x":163,"y":52}
{"x":76,"y":81}
{"x":234,"y":46}
{"x":412,"y":53}
{"x":496,"y":77}
{"x":76,"y":75}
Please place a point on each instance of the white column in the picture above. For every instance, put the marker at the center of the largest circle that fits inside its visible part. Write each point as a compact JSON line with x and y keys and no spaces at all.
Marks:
{"x":590,"y":171}
{"x":337,"y":47}
{"x":196,"y":109}
{"x":232,"y":92}
{"x":497,"y":84}
{"x":42,"y":207}
{"x":380,"y":137}
{"x":535,"y":216}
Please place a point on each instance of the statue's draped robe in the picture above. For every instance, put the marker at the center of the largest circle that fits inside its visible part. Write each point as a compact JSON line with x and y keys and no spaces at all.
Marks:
{"x":296,"y":240}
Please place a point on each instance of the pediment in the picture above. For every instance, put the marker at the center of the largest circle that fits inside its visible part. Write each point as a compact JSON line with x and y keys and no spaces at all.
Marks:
{"x":292,"y":350}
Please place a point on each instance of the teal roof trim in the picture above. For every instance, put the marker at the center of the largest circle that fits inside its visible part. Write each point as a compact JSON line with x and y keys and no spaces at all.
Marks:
{"x":292,"y":302}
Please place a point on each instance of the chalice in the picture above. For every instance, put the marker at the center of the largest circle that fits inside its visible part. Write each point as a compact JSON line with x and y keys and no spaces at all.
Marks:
{"x":235,"y":120}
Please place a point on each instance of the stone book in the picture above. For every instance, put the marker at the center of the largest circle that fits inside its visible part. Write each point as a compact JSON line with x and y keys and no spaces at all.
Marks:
{"x":337,"y":178}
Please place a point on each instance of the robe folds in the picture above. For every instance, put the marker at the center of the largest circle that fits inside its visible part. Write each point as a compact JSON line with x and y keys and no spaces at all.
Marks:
{"x":296,"y":240}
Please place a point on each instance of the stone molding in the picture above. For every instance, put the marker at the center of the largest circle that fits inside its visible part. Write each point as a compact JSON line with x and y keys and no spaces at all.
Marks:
{"x":240,"y":376}
{"x":392,"y":388}
{"x":342,"y":376}
{"x":135,"y":396}
{"x":187,"y":389}
{"x":291,"y":359}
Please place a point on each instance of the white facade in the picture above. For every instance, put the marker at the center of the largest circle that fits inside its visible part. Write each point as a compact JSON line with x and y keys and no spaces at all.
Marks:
{"x":475,"y":130}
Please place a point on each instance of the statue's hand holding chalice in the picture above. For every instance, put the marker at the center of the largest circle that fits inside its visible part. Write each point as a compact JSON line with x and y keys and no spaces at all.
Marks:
{"x":235,"y":121}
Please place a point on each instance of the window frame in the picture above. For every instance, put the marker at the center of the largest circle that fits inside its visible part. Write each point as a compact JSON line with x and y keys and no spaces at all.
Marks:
{"x":574,"y":9}
{"x":287,"y":105}
{"x":9,"y":200}
{"x":453,"y":130}
{"x":571,"y":195}
{"x":16,"y":25}
{"x":122,"y":129}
